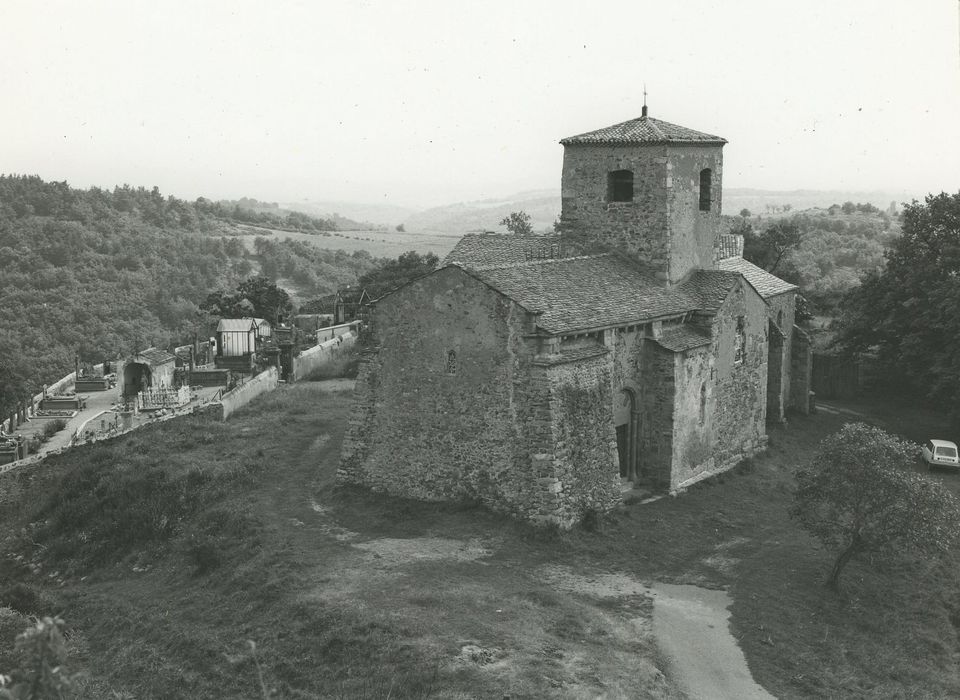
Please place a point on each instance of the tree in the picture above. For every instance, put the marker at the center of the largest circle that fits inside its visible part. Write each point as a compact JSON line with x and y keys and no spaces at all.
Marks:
{"x":768,"y":249}
{"x":257,"y":297}
{"x":391,"y":274}
{"x":41,"y":652}
{"x":909,"y":311}
{"x":400,"y":228}
{"x":745,"y":213}
{"x":860,"y":495}
{"x":518,"y":223}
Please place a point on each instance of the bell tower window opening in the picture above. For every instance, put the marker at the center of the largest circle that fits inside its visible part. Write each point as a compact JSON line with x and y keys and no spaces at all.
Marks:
{"x":620,"y":186}
{"x":706,"y":182}
{"x":452,"y":362}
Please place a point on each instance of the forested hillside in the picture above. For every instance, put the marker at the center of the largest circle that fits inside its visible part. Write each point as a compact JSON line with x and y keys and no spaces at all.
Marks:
{"x":97,"y":273}
{"x":825,"y":252}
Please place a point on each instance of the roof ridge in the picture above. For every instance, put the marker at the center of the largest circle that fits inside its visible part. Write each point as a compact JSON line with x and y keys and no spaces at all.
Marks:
{"x":527,"y":263}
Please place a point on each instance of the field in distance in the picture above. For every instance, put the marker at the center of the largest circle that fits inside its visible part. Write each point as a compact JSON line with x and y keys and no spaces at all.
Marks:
{"x":379,"y":243}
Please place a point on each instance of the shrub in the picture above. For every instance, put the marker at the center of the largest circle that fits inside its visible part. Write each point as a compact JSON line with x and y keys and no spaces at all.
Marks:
{"x":860,"y":495}
{"x":52,"y":427}
{"x":41,"y":672}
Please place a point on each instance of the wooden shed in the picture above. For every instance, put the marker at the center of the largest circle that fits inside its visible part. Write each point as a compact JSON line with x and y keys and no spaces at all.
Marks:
{"x":236,"y":337}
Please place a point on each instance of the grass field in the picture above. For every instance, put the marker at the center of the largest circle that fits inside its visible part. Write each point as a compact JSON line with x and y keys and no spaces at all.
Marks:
{"x":166,"y":550}
{"x":380,"y":244}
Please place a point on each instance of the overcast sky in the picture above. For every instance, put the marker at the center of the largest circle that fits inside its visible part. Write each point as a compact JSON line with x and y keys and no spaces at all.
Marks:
{"x":431,"y":102}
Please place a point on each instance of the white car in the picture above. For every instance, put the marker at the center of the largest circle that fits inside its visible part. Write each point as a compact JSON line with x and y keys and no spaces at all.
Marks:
{"x":941,"y":453}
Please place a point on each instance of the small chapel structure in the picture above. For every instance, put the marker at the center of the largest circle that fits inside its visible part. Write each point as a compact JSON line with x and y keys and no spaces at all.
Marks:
{"x":544,"y":376}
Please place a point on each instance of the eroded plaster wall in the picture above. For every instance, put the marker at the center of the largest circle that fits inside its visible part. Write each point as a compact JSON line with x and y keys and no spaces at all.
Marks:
{"x":694,"y":435}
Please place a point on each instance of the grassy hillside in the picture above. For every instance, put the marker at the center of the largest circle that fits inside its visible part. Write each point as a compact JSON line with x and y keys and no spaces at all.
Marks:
{"x":168,"y":549}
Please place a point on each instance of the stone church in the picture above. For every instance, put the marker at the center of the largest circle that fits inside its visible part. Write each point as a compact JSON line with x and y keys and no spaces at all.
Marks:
{"x":544,"y":376}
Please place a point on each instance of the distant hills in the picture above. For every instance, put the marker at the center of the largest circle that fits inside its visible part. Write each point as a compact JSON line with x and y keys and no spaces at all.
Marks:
{"x":543,"y":206}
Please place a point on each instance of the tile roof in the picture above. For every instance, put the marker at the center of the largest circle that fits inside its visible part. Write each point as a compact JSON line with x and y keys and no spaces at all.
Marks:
{"x":486,"y":249}
{"x":731,"y":245}
{"x":683,"y":337}
{"x":593,"y":291}
{"x":710,"y":288}
{"x":766,"y":284}
{"x":643,"y":130}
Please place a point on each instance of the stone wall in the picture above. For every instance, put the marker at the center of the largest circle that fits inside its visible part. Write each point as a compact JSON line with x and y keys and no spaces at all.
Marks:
{"x":740,"y":389}
{"x":318,"y":356}
{"x":695,"y":444}
{"x":639,"y":227}
{"x":782,"y":310}
{"x":663,"y":225}
{"x":693,"y":233}
{"x":245,"y":393}
{"x":585,"y":475}
{"x":332,"y":332}
{"x":801,"y":371}
{"x":445,"y":406}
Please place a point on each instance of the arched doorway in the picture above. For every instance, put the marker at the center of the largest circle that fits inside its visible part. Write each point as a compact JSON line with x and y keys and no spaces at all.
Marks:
{"x":136,"y":377}
{"x":626,"y":419}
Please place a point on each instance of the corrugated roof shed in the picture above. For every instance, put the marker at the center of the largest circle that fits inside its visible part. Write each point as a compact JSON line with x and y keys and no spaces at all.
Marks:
{"x":233,"y":325}
{"x":594,"y":291}
{"x":494,"y":249}
{"x":766,"y":284}
{"x":643,"y":130}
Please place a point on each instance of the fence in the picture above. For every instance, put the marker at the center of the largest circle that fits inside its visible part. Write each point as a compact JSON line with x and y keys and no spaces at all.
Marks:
{"x":153,"y":399}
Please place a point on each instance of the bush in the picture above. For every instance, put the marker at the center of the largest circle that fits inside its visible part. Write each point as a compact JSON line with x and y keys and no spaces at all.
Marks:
{"x":339,"y":367}
{"x":52,"y":427}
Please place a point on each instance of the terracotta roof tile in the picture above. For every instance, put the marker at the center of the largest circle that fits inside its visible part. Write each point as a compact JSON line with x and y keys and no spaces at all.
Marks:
{"x":586,"y":292}
{"x":491,"y":249}
{"x":766,"y":284}
{"x":643,"y":130}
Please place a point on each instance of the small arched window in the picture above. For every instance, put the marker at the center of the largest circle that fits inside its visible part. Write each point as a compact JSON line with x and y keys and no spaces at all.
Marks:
{"x":706,"y":182}
{"x":703,"y":402}
{"x":780,"y":319}
{"x":452,"y":362}
{"x":620,"y":186}
{"x":740,"y":342}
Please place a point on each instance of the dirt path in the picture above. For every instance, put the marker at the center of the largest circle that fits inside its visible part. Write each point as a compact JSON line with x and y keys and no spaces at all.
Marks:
{"x":692,"y":629}
{"x":691,"y":626}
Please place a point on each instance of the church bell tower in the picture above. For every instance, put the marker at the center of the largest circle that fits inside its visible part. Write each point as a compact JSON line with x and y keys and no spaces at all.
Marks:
{"x":645,"y":188}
